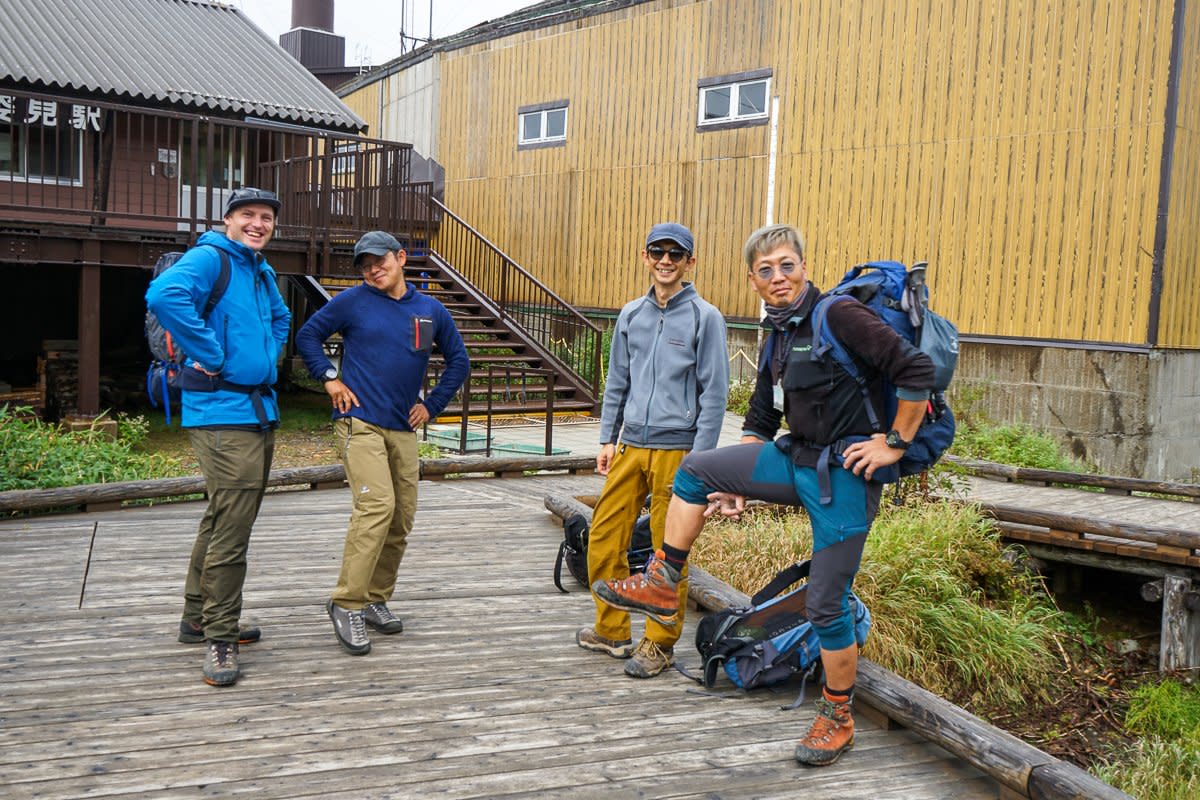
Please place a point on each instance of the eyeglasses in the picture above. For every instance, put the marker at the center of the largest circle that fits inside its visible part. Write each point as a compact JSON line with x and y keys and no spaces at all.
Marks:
{"x":657,"y":253}
{"x":766,"y":271}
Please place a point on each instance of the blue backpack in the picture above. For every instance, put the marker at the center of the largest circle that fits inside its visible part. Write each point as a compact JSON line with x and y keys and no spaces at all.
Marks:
{"x":770,"y":640}
{"x":163,"y":374}
{"x":899,"y":297}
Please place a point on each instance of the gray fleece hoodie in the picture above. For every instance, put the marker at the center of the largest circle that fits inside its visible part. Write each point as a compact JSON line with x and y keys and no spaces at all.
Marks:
{"x":668,"y":374}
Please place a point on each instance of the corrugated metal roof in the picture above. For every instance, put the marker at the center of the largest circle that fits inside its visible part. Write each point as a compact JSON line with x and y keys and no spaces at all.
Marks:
{"x":183,"y":53}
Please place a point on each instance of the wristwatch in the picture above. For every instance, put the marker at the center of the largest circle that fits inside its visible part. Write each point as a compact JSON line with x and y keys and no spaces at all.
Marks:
{"x":895,"y":441}
{"x":329,"y":375}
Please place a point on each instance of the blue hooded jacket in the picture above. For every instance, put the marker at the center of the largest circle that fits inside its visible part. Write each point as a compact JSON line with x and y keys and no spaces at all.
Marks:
{"x":241,"y":339}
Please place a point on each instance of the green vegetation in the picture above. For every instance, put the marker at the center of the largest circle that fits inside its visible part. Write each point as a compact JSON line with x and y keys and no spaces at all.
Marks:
{"x":740,"y":393}
{"x":949,"y":612}
{"x":38,"y":455}
{"x":1165,"y":763}
{"x":1017,"y":445}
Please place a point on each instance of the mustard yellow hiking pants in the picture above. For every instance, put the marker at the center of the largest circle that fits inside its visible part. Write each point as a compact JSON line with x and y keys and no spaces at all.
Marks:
{"x":634,"y":473}
{"x":382,"y":469}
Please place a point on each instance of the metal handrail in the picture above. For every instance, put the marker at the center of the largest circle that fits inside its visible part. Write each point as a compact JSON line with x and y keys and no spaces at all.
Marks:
{"x":522,"y":300}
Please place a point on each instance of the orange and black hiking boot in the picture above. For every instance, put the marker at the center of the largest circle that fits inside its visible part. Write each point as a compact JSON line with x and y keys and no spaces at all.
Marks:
{"x":831,"y":734}
{"x":653,"y":592}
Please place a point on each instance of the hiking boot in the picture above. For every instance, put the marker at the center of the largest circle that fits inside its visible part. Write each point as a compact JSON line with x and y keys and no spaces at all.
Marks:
{"x":649,"y":659}
{"x":381,"y":618}
{"x":221,"y":664}
{"x":652,"y":592}
{"x":350,"y":629}
{"x":194,"y":634}
{"x":588,"y":639}
{"x":831,"y":734}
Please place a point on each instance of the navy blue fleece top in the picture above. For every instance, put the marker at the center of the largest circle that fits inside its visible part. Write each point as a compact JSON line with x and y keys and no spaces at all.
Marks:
{"x":386,"y":351}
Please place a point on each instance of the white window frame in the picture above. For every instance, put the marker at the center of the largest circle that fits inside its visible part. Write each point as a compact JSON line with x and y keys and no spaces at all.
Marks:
{"x":24,"y":137}
{"x":541,"y":112}
{"x":345,"y":158}
{"x":734,"y":84}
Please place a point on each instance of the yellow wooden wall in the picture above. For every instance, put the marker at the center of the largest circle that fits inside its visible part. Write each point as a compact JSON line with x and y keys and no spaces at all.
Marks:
{"x":1014,"y":144}
{"x":1180,"y":313}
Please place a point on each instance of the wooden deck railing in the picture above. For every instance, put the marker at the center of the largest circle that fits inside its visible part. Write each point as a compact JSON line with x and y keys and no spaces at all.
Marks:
{"x":114,"y":166}
{"x":565,"y":334}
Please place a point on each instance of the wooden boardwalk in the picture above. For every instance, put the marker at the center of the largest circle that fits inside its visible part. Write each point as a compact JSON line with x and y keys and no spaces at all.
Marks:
{"x":484,"y":695}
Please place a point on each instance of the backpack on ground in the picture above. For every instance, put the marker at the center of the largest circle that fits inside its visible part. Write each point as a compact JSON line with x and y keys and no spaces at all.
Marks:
{"x":162,"y":376}
{"x":900,"y":298}
{"x":573,"y":550}
{"x":772,"y":639}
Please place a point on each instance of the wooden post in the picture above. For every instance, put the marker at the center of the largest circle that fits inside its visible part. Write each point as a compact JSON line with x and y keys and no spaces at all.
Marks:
{"x":89,"y":333}
{"x":1179,"y":648}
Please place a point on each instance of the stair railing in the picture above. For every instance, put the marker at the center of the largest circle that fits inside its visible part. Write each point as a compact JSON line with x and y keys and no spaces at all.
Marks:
{"x":566,"y":335}
{"x":477,"y":396}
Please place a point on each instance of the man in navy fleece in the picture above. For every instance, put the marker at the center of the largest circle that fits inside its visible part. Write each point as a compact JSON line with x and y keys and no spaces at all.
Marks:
{"x":388,"y":329}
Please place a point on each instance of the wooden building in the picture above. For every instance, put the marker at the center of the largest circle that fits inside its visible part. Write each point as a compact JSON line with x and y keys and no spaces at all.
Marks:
{"x":124,"y":126}
{"x":1042,"y":156}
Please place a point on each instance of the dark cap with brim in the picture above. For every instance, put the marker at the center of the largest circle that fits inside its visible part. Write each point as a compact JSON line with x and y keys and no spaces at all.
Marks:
{"x":247,"y":196}
{"x":674,"y":232}
{"x":377,"y":243}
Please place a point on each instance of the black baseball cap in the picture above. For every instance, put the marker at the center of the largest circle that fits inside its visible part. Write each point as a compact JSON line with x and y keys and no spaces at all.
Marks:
{"x":377,"y":243}
{"x":248,"y":195}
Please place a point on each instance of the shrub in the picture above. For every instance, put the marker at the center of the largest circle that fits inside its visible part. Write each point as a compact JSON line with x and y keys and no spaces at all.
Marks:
{"x":948,"y":612}
{"x":37,"y":455}
{"x":740,"y":393}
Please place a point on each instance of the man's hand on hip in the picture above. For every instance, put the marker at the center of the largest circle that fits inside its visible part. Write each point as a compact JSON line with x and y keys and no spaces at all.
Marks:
{"x":341,"y":395}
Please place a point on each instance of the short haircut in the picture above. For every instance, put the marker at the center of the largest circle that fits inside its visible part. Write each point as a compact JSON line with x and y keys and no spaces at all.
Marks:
{"x":769,"y":237}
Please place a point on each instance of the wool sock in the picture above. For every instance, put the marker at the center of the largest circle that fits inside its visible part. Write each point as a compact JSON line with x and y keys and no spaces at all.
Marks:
{"x":839,"y":695}
{"x":675,"y":557}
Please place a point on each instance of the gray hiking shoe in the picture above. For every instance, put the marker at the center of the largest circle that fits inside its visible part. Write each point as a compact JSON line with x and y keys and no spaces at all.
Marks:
{"x":190,"y":633}
{"x":350,"y":629}
{"x":588,"y":639}
{"x":381,"y":618}
{"x":221,"y":664}
{"x":649,"y":659}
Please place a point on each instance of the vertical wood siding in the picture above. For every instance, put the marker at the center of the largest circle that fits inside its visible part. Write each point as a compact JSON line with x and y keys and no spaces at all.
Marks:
{"x":1014,"y":144}
{"x":1179,"y":324}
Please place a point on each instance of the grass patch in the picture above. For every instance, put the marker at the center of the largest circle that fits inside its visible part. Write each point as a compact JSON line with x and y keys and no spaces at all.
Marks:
{"x":37,"y":455}
{"x":948,"y":611}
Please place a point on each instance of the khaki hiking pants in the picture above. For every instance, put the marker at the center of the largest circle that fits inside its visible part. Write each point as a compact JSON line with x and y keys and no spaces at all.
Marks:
{"x":382,"y":469}
{"x":634,"y":473}
{"x":236,"y":464}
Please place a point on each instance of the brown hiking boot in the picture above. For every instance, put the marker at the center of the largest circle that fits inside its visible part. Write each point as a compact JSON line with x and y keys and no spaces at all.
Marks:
{"x":653,"y":592}
{"x":649,"y":659}
{"x":221,"y":664}
{"x":588,"y":639}
{"x":831,"y":734}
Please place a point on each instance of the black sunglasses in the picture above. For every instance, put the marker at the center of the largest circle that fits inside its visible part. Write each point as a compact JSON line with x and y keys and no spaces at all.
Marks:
{"x":250,"y":193}
{"x":657,"y":253}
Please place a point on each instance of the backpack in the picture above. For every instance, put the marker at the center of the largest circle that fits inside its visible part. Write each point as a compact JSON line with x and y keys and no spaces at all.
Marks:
{"x":573,"y":550}
{"x":772,"y":639}
{"x":162,"y":376}
{"x":900,"y":298}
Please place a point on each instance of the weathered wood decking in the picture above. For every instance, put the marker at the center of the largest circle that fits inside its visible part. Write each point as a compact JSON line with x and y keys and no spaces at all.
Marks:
{"x":484,"y":695}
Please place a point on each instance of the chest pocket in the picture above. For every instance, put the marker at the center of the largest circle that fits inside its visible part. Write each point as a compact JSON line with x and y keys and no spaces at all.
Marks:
{"x":421,"y":335}
{"x":801,"y":373}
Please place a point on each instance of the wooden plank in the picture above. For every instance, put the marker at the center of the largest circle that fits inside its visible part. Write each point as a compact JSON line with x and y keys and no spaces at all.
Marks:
{"x":475,"y":699}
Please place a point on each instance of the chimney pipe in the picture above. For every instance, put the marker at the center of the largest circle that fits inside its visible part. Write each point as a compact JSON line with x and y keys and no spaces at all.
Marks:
{"x":316,"y":14}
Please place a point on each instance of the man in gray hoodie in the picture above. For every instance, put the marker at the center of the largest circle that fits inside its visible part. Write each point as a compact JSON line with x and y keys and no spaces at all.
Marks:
{"x":665,"y":395}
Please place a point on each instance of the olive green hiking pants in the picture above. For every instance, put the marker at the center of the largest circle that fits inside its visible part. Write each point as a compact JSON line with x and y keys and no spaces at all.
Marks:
{"x":382,"y":469}
{"x":236,"y":464}
{"x":634,"y":473}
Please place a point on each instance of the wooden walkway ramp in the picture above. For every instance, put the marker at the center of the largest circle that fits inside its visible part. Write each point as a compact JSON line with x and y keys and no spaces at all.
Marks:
{"x":484,"y":695}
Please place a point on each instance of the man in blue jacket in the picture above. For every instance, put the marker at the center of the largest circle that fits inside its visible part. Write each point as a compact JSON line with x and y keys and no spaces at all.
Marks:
{"x":388,"y":330}
{"x":229,"y":410}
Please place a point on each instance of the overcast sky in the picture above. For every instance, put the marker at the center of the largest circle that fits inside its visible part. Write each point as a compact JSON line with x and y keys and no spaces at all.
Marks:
{"x":372,"y":27}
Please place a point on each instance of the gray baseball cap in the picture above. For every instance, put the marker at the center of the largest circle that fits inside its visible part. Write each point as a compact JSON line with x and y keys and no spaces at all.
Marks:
{"x":377,"y":243}
{"x":247,"y":196}
{"x":674,"y":232}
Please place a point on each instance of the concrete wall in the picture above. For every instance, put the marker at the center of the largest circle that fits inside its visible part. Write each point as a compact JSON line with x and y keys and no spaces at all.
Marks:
{"x":1128,"y":413}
